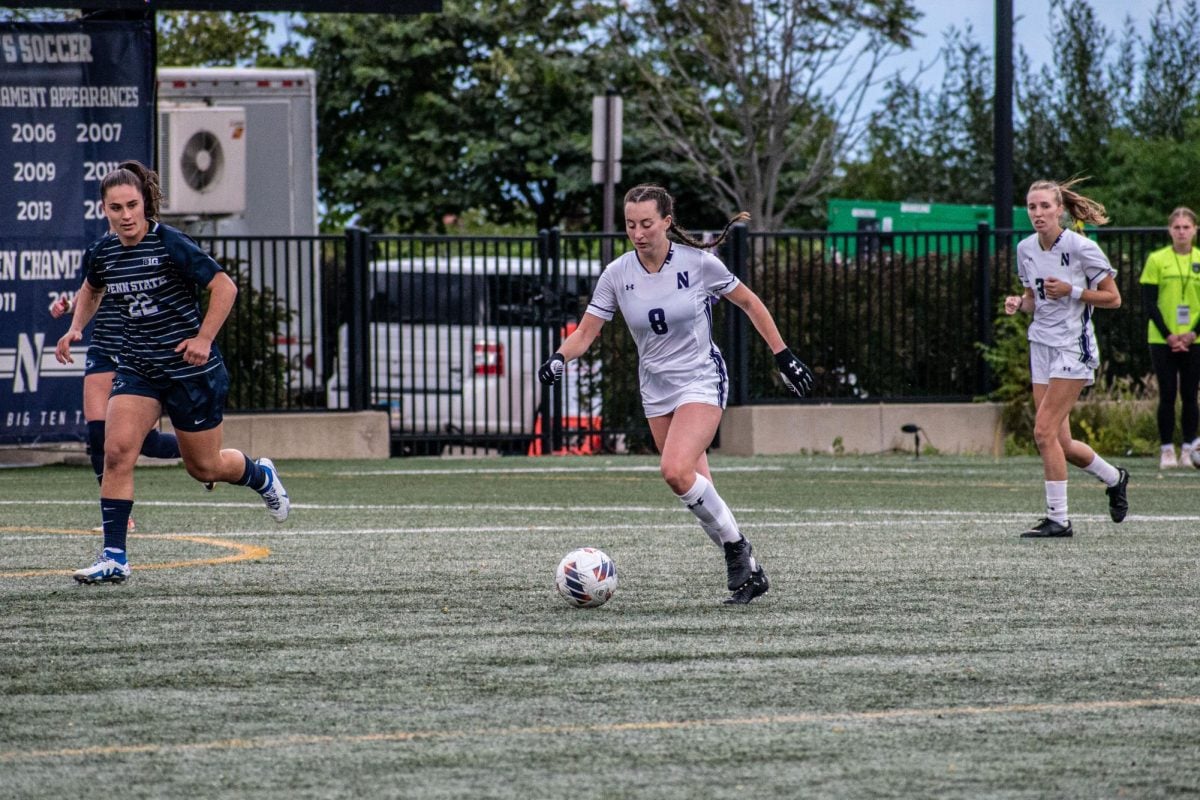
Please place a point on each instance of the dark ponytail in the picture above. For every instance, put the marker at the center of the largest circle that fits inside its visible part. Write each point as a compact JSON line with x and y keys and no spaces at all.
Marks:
{"x":666,"y":208}
{"x":138,"y":175}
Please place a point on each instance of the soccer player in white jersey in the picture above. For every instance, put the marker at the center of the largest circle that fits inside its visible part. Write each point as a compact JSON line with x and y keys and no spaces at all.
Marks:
{"x":1065,"y":275}
{"x":663,"y":290}
{"x":167,"y":359}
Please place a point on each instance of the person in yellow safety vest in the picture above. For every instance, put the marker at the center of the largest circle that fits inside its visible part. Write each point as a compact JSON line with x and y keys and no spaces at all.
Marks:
{"x":1171,"y":297}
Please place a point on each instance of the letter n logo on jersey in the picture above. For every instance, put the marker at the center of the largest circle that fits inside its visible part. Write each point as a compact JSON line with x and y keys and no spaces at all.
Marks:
{"x":681,"y":280}
{"x":1066,"y":259}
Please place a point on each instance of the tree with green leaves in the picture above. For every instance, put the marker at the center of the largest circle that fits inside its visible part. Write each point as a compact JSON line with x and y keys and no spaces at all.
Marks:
{"x":1151,"y":153}
{"x":1167,"y":96}
{"x":1124,"y":111}
{"x":486,"y":106}
{"x":760,"y":99}
{"x":1065,"y":107}
{"x":212,"y":38}
{"x":930,"y":147}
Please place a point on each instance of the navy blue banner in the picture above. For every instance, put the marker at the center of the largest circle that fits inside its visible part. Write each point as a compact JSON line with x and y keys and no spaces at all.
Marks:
{"x":76,"y":98}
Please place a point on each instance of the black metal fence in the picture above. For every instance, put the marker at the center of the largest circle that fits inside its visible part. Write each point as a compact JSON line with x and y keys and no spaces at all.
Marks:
{"x":446,"y":333}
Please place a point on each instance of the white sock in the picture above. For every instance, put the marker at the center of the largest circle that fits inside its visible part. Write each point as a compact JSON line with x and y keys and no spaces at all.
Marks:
{"x":1168,"y":448}
{"x":1103,"y":470}
{"x":715,"y":517}
{"x":1056,"y":501}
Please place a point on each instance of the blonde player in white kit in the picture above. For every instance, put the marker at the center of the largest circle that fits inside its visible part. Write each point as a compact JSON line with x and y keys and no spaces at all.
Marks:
{"x":1065,"y":276}
{"x":663,"y":290}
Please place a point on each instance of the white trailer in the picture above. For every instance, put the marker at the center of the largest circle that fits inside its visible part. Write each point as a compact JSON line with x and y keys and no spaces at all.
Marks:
{"x":278,"y":180}
{"x":237,"y":153}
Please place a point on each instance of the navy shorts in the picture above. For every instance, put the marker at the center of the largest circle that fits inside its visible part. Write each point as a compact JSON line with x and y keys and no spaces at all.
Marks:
{"x":194,"y":404}
{"x":98,"y":361}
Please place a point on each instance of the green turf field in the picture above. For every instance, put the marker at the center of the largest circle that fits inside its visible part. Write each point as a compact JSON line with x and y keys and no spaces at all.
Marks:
{"x":399,"y":636}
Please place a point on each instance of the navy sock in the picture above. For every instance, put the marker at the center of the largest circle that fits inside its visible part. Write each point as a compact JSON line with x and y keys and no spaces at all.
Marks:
{"x":254,"y":476}
{"x":160,"y":445}
{"x":115,"y":514}
{"x":95,"y":433}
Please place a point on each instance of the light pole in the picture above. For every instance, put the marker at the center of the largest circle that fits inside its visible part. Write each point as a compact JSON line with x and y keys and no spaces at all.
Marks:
{"x":606,"y":157}
{"x":1002,"y":124}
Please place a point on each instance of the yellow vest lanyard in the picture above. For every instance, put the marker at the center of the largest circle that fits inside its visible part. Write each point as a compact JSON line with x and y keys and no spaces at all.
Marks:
{"x":1183,"y":311}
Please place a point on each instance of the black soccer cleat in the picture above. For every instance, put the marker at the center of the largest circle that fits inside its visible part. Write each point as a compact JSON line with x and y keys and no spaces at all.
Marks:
{"x":758,"y":584}
{"x":1047,"y":528}
{"x":1118,"y":504}
{"x":737,"y":562}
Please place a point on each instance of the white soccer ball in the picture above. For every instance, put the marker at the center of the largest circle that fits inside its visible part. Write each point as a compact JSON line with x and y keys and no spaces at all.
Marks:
{"x":1195,"y":457}
{"x":586,"y":577}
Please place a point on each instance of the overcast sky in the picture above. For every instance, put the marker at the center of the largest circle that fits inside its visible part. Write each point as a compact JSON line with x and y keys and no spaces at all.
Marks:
{"x":1030,"y":27}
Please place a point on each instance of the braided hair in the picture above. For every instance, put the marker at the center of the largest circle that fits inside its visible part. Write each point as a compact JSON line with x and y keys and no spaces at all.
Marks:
{"x":666,"y":208}
{"x":138,"y":175}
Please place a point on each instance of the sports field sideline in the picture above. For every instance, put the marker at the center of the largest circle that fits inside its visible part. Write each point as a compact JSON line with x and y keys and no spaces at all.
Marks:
{"x":400,"y":636}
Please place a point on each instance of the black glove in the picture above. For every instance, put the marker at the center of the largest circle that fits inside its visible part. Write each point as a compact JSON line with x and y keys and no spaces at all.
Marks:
{"x":795,"y":373}
{"x":552,"y":370}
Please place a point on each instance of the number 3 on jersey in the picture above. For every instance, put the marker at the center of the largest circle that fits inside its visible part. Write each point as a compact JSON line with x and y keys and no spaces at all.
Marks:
{"x":658,"y":321}
{"x":1041,"y":288}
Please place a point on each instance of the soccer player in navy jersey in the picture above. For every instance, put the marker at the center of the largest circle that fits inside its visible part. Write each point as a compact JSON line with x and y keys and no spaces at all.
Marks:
{"x":99,"y":368}
{"x":167,"y":359}
{"x":1065,"y":275}
{"x":663,"y":290}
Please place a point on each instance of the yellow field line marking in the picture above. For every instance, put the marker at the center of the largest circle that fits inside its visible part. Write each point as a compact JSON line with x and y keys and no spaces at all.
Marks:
{"x":268,"y":742}
{"x":242,"y":552}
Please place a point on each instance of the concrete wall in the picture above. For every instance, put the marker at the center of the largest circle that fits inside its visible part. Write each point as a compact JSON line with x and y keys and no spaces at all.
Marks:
{"x":776,"y":429}
{"x":278,"y":436}
{"x":362,"y":434}
{"x":745,"y":431}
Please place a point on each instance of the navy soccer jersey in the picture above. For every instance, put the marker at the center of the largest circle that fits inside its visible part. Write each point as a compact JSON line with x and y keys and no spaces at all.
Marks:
{"x":104,"y":345}
{"x":153,"y":286}
{"x":107,"y":332}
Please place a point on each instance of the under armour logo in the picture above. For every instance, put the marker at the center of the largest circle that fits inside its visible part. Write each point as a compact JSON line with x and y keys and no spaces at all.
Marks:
{"x":629,"y":287}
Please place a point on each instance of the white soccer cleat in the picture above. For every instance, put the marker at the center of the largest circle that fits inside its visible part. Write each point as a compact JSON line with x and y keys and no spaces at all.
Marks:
{"x":275,"y":496}
{"x":106,"y":570}
{"x":1167,"y":460}
{"x":1187,"y":456}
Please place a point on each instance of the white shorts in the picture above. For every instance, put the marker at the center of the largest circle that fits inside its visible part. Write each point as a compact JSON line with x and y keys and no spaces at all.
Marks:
{"x":1046,"y":362}
{"x":659,"y":399}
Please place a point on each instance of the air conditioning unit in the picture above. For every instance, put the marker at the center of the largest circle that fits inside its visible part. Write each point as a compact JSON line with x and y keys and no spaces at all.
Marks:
{"x":202,"y":160}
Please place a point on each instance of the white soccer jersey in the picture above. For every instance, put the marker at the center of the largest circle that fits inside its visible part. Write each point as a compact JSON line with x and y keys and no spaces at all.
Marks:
{"x":1065,"y":323}
{"x":669,"y":314}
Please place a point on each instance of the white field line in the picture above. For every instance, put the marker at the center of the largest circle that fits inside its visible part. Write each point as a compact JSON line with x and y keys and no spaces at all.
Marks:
{"x":408,"y":531}
{"x":547,"y":470}
{"x":804,"y":516}
{"x":941,"y":469}
{"x":599,"y":528}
